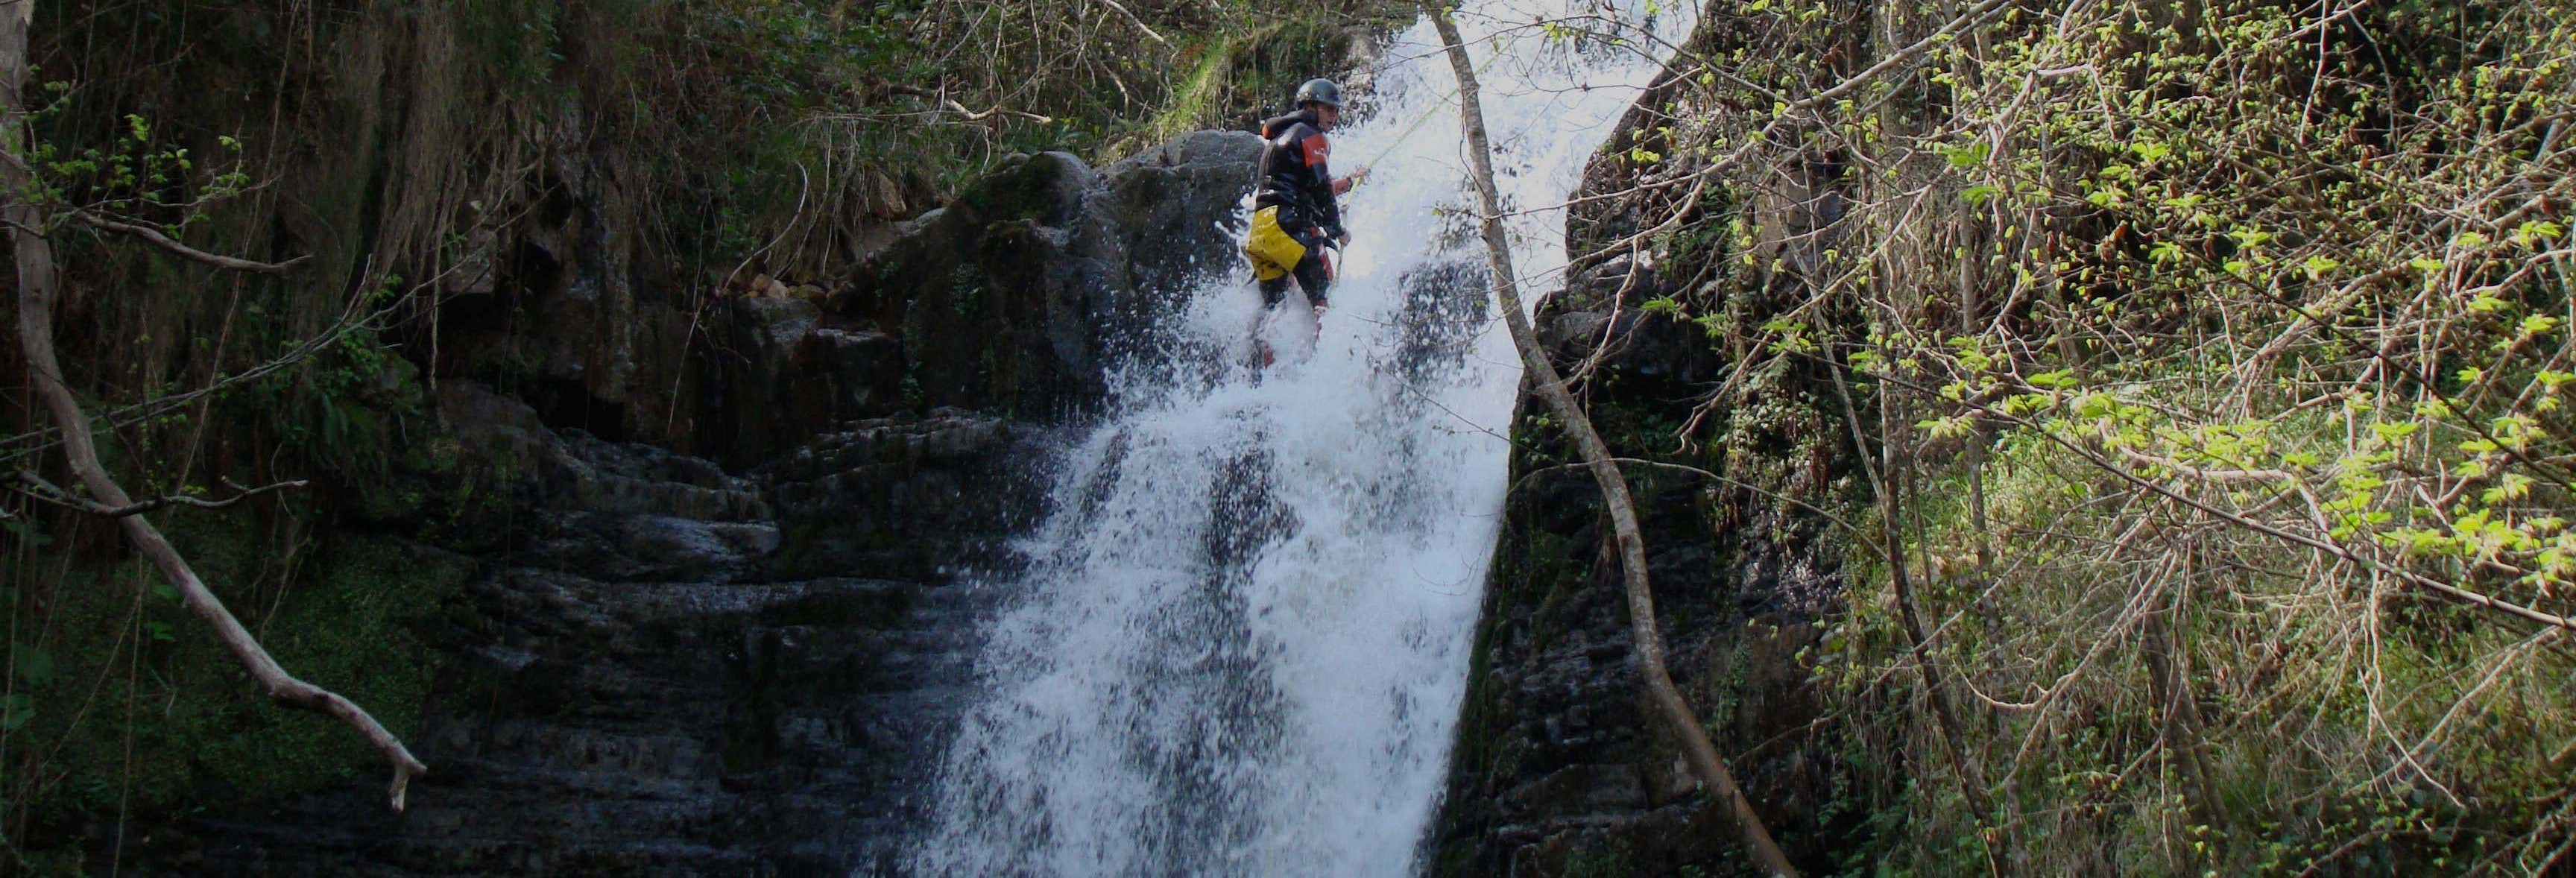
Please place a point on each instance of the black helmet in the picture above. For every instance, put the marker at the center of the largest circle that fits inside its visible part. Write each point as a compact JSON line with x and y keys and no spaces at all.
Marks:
{"x":1320,"y":91}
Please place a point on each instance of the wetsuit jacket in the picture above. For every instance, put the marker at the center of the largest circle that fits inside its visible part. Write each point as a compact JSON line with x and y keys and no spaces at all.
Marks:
{"x":1293,"y":177}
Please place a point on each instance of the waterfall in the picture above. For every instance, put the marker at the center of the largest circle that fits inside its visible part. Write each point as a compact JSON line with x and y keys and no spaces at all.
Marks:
{"x":1241,"y":638}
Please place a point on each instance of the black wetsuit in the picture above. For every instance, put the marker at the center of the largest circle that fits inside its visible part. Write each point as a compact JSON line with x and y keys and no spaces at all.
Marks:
{"x":1294,"y":179}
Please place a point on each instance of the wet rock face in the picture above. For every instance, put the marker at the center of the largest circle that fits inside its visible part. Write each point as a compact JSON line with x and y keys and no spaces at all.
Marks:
{"x":743,"y":662}
{"x":1016,"y":294}
{"x":1009,"y":298}
{"x":1167,"y":206}
{"x":1562,"y":767}
{"x":1600,"y":316}
{"x":568,"y":305}
{"x":913,"y":497}
{"x":645,"y":684}
{"x":786,"y":372}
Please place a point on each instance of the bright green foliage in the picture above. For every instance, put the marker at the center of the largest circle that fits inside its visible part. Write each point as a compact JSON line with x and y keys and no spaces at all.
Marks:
{"x":2313,"y":344}
{"x":2235,"y":337}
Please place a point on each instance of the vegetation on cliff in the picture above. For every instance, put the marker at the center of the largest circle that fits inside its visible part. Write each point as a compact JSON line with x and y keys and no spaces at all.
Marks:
{"x":2206,"y":361}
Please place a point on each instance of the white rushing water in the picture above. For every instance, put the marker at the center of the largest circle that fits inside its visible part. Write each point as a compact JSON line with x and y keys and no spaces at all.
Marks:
{"x":1242,"y":638}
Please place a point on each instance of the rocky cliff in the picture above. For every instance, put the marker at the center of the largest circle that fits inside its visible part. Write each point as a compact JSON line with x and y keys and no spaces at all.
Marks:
{"x":670,"y":666}
{"x":1560,"y":767}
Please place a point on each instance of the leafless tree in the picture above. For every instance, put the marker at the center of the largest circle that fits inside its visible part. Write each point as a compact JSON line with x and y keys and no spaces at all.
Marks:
{"x":1615,"y":499}
{"x":31,"y":220}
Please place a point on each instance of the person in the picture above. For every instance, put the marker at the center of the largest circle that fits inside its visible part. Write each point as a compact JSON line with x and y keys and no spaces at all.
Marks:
{"x":1294,"y":215}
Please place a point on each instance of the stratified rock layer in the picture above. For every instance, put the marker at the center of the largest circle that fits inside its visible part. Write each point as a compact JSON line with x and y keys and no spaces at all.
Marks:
{"x":638,"y":689}
{"x":744,"y":664}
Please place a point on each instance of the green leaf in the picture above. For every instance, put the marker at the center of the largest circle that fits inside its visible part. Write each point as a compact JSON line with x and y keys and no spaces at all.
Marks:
{"x":35,"y":666}
{"x":1969,"y":156}
{"x":2530,"y":234}
{"x":26,"y":532}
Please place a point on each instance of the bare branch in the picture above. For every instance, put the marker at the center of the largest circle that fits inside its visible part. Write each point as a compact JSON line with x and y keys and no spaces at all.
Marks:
{"x":1883,"y":478}
{"x":156,"y":238}
{"x":1838,"y":521}
{"x":44,"y":491}
{"x":354,"y":317}
{"x":1138,"y":22}
{"x":36,"y":292}
{"x":953,"y":106}
{"x":1644,"y":633}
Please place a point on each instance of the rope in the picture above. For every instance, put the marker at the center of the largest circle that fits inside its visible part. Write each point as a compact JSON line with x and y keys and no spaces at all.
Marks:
{"x":1427,"y":113}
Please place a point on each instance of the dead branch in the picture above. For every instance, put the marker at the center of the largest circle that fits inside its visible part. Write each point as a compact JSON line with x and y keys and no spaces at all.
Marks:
{"x":351,"y":318}
{"x":1647,"y":636}
{"x":953,"y":106}
{"x":1138,"y":22}
{"x":1838,"y":521}
{"x":154,"y":237}
{"x":44,"y":491}
{"x":36,"y":294}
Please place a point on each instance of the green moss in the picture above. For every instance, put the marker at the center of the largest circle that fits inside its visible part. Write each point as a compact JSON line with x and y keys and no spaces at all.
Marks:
{"x":350,"y":631}
{"x":141,"y":711}
{"x":1605,"y":860}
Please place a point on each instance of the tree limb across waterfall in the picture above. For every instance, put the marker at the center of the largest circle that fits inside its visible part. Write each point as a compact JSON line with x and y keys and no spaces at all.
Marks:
{"x":36,"y":293}
{"x":1667,"y":698}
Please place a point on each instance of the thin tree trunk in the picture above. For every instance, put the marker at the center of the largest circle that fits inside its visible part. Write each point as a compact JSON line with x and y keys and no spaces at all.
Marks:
{"x":35,"y":258}
{"x":1896,"y":471}
{"x":2169,"y":685}
{"x":1667,"y":699}
{"x":1886,"y":479}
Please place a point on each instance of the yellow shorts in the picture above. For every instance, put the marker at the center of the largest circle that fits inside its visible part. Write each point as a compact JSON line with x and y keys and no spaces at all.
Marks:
{"x":1272,"y":250}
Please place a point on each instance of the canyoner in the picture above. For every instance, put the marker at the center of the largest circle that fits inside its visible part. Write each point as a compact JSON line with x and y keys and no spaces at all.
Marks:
{"x":1296,"y":214}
